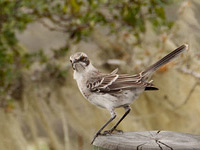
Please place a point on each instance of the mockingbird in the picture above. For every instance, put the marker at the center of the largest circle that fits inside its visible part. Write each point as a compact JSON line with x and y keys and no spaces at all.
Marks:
{"x":114,"y":90}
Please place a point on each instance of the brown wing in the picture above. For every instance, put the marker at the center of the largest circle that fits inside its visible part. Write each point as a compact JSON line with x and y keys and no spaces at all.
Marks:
{"x":116,"y":82}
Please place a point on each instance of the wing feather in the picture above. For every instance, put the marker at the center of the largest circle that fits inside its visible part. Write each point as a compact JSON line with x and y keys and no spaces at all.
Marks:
{"x":107,"y":83}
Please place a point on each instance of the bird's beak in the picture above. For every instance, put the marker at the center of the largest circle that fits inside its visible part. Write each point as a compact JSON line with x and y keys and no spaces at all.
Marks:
{"x":73,"y":65}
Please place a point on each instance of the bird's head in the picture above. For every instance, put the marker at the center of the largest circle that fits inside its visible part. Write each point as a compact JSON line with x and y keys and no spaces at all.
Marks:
{"x":79,"y":61}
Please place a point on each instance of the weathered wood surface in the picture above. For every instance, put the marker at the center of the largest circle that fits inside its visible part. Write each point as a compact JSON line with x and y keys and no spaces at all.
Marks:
{"x":148,"y":140}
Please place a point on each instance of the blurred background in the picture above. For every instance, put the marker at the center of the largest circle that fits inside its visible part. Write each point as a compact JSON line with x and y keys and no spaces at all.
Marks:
{"x":41,"y":107}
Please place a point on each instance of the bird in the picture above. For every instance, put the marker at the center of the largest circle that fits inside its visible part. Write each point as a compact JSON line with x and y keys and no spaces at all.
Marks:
{"x":113,"y":90}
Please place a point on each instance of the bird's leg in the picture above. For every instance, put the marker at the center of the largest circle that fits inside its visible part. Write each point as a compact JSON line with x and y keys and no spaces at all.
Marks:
{"x":113,"y":115}
{"x":127,"y":110}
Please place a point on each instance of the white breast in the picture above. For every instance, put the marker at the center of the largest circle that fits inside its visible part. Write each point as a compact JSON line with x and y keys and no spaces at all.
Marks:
{"x":103,"y":100}
{"x":81,"y":82}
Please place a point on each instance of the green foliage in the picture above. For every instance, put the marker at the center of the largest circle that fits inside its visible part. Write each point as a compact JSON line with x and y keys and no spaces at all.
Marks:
{"x":75,"y":17}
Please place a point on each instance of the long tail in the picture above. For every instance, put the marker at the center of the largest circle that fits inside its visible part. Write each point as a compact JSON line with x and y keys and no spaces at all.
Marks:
{"x":146,"y":74}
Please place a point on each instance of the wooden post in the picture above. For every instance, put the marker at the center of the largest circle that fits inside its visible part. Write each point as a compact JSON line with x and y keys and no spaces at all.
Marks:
{"x":148,"y":140}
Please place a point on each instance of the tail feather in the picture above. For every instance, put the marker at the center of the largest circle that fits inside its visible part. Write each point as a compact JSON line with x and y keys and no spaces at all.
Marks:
{"x":150,"y":88}
{"x":149,"y":71}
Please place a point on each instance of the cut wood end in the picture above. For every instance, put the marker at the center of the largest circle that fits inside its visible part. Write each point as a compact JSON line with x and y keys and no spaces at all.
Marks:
{"x":148,"y":140}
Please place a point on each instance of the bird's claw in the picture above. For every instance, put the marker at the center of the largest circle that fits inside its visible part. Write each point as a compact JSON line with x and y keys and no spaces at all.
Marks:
{"x":119,"y":131}
{"x":108,"y":132}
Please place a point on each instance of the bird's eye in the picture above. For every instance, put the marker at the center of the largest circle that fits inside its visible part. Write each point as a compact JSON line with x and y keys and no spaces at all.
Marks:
{"x":82,"y":59}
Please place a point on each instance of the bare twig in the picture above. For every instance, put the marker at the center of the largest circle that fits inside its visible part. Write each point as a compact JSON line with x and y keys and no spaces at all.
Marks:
{"x":189,"y":95}
{"x":190,"y":72}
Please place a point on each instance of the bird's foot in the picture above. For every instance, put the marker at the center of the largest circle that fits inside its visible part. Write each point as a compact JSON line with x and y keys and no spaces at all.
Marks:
{"x":108,"y":132}
{"x":119,"y":131}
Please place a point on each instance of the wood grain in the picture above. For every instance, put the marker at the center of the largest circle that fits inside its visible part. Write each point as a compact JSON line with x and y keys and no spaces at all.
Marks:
{"x":148,"y":140}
